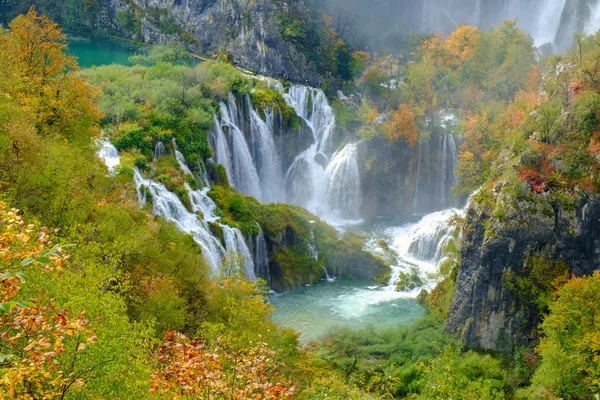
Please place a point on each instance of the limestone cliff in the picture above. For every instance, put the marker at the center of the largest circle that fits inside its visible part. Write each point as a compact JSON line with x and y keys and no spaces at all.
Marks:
{"x":515,"y":246}
{"x":249,"y":31}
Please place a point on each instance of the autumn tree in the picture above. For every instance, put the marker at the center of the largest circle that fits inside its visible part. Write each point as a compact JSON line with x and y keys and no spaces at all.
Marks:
{"x":570,"y":348}
{"x":401,"y":124}
{"x":44,"y":79}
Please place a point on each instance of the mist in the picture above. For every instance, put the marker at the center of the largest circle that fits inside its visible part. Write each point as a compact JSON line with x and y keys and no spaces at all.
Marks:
{"x":378,"y":24}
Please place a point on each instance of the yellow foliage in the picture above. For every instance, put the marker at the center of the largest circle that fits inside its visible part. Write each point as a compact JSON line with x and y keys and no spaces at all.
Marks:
{"x":401,"y":124}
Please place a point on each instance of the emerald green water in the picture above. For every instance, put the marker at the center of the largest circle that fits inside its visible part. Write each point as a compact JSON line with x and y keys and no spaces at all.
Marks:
{"x":317,"y":310}
{"x":93,"y":53}
{"x":97,"y":52}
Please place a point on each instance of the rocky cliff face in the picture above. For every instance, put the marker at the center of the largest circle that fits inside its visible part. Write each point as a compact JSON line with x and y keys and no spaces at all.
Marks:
{"x":513,"y":248}
{"x":403,"y":180}
{"x":248,"y":30}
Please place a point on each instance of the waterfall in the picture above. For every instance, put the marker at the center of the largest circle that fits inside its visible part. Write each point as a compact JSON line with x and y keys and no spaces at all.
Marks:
{"x":312,"y":246}
{"x":447,"y":166}
{"x":308,"y":180}
{"x":548,"y":22}
{"x":167,"y":205}
{"x":262,"y":261}
{"x":593,"y":24}
{"x":343,"y":178}
{"x":181,"y":160}
{"x":240,"y":169}
{"x":267,"y":159}
{"x":416,"y":194}
{"x":159,"y":150}
{"x":234,"y":241}
{"x":418,"y":247}
{"x":109,"y":155}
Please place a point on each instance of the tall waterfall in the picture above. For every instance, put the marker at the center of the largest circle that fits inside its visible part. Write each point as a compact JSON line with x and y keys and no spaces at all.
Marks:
{"x":239,"y":165}
{"x":343,"y":178}
{"x":267,"y":159}
{"x":329,"y":189}
{"x":251,"y":160}
{"x":548,"y":21}
{"x":449,"y":157}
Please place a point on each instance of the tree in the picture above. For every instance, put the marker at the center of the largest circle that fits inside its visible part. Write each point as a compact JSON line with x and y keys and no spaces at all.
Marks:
{"x":570,"y":348}
{"x":44,"y":79}
{"x":401,"y":124}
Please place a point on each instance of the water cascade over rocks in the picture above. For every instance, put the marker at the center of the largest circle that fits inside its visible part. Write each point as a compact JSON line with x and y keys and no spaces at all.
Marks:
{"x":109,"y":155}
{"x":159,"y":150}
{"x":415,"y":250}
{"x":262,"y":261}
{"x":167,"y":205}
{"x":343,"y":183}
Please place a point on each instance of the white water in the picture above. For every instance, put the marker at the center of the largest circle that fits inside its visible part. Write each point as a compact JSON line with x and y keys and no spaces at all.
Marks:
{"x":262,"y":261}
{"x":548,"y":21}
{"x":343,"y":184}
{"x":159,"y":150}
{"x":109,"y":155}
{"x":328,"y":188}
{"x":266,"y":157}
{"x":240,"y":166}
{"x":167,"y":205}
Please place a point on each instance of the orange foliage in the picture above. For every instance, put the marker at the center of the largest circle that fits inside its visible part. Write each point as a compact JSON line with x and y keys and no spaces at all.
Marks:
{"x":459,"y":47}
{"x":191,"y":368}
{"x":401,"y":124}
{"x":43,"y":78}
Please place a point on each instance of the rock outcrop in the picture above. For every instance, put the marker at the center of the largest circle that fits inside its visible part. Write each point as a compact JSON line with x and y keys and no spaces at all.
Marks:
{"x":249,"y":31}
{"x":513,"y":248}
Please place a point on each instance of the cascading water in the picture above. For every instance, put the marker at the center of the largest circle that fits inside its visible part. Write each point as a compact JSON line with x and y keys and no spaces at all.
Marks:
{"x":262,"y":261}
{"x":328,"y":190}
{"x":417,"y":247}
{"x":343,"y":183}
{"x":267,"y":159}
{"x":159,"y":150}
{"x":548,"y":21}
{"x":167,"y":205}
{"x":240,"y":165}
{"x":109,"y":155}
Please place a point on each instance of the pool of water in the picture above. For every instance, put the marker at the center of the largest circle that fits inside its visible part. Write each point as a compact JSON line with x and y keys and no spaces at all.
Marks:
{"x":96,"y":52}
{"x":317,"y":310}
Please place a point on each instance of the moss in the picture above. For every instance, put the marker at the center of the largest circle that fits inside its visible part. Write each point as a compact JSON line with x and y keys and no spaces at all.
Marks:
{"x":298,"y":267}
{"x":291,"y":228}
{"x":217,"y":230}
{"x":221,"y":175}
{"x":537,"y":280}
{"x":409,"y":280}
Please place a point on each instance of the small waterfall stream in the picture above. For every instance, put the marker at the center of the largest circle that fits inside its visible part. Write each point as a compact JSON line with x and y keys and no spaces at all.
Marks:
{"x":262,"y":260}
{"x":109,"y":155}
{"x":159,"y":150}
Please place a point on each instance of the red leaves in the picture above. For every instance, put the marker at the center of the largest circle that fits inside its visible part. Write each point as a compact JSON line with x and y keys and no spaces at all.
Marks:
{"x":191,"y":368}
{"x":32,"y":333}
